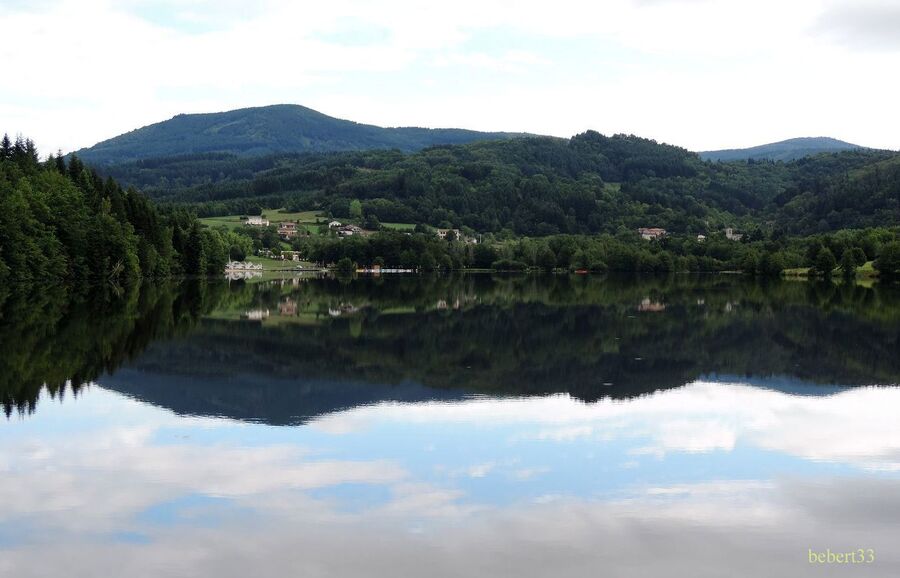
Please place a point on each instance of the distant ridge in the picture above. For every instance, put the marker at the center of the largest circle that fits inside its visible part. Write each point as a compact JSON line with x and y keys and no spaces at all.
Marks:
{"x":786,"y":150}
{"x":281,"y":128}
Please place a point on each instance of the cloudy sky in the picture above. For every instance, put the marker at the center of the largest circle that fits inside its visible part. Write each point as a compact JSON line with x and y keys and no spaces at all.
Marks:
{"x":703,"y":74}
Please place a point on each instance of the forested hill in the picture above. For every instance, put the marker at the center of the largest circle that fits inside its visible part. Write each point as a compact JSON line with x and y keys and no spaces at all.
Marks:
{"x":264,"y":130}
{"x":541,"y":186}
{"x":786,"y":150}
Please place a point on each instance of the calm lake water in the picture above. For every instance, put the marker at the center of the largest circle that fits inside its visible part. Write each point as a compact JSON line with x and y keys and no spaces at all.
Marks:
{"x":451,"y":426}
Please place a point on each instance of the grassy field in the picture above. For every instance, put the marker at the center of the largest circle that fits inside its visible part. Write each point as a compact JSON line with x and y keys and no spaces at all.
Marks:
{"x":275,"y":216}
{"x":798,"y":272}
{"x":306,"y":219}
{"x":399,"y":226}
{"x":865,"y":271}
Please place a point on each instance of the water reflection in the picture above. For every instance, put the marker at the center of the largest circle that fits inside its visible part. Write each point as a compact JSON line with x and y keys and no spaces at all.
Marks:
{"x":323,"y":345}
{"x":273,"y":351}
{"x":517,"y":486}
{"x":524,"y":426}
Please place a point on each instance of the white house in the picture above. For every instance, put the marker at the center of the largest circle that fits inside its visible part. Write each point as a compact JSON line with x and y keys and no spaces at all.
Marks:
{"x":257,"y":221}
{"x":256,"y":314}
{"x":732,"y":236}
{"x":348,"y":230}
{"x":334,"y":224}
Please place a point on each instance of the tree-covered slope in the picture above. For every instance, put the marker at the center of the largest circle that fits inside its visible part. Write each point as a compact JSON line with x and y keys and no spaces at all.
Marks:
{"x":535,"y":186}
{"x":264,"y":130}
{"x":590,"y":183}
{"x":786,"y":150}
{"x":852,"y":189}
{"x":60,"y":221}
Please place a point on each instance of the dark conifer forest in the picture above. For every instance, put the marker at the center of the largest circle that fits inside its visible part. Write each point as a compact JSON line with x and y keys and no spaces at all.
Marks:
{"x":60,"y":220}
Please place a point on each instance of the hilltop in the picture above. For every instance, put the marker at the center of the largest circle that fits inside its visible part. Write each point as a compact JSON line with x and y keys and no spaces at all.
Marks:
{"x":282,"y":128}
{"x":786,"y":150}
{"x":292,"y":156}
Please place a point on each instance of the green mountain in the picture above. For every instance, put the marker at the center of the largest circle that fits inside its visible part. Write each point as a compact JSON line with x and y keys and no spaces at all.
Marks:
{"x":282,"y":128}
{"x":540,"y":186}
{"x":786,"y":150}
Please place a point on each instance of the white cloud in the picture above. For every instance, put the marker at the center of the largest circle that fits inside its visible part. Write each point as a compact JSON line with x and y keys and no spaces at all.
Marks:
{"x":867,"y":24}
{"x":702,"y":74}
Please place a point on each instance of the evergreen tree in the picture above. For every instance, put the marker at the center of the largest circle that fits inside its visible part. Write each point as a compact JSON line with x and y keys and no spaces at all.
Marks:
{"x":63,"y":222}
{"x":5,"y":148}
{"x":194,"y":256}
{"x":75,"y":167}
{"x":18,"y":150}
{"x":60,"y":162}
{"x":31,"y":152}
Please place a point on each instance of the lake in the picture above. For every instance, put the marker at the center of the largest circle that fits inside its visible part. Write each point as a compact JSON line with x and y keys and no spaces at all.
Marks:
{"x":466,"y":425}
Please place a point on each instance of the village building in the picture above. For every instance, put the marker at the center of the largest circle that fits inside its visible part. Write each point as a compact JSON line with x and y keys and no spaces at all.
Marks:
{"x":287,"y":308}
{"x":256,"y":314}
{"x":701,"y":238}
{"x":732,"y":236}
{"x":334,"y":224}
{"x":257,"y":221}
{"x":651,"y":233}
{"x":348,"y":230}
{"x":648,"y":305}
{"x":287,"y":230}
{"x":442,"y":233}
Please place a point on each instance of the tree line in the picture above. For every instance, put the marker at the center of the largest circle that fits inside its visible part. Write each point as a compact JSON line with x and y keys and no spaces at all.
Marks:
{"x":758,"y":254}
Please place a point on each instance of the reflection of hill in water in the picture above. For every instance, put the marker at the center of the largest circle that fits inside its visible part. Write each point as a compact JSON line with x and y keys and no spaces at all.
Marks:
{"x":506,"y":341}
{"x":328,"y":345}
{"x":267,"y":399}
{"x":780,"y":383}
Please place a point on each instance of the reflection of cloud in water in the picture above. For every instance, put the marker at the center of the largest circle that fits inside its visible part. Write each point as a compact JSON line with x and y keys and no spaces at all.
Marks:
{"x":732,"y":530}
{"x":79,"y":502}
{"x":857,"y":426}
